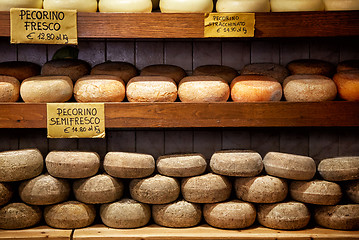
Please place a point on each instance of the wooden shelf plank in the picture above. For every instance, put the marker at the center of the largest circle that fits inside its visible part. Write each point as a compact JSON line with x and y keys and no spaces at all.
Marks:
{"x":37,"y":233}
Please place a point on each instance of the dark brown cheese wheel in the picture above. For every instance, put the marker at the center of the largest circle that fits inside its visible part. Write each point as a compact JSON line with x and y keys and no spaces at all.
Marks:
{"x":179,"y":214}
{"x":351,"y":189}
{"x":126,"y":213}
{"x":273,"y":70}
{"x":342,"y":217}
{"x":339,"y":168}
{"x":289,"y":166}
{"x":9,"y":89}
{"x":311,"y":67}
{"x":348,"y":84}
{"x":20,"y":69}
{"x":233,"y":214}
{"x":123,"y":70}
{"x":166,"y":70}
{"x":6,"y":192}
{"x":348,"y":65}
{"x":207,"y":188}
{"x":20,"y":165}
{"x":224,"y":72}
{"x":44,"y":190}
{"x":287,"y":215}
{"x":74,"y":68}
{"x":316,"y":192}
{"x":19,"y":215}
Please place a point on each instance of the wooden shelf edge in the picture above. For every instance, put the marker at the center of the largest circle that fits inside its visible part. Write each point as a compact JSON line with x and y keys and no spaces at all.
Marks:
{"x":37,"y":233}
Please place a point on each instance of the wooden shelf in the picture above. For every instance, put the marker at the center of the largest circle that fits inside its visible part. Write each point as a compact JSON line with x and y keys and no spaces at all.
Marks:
{"x":37,"y":233}
{"x":191,"y":25}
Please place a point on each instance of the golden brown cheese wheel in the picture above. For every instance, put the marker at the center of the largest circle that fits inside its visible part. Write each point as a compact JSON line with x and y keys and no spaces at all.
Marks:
{"x":126,"y":213}
{"x":69,"y":215}
{"x":129,"y":165}
{"x":124,"y":70}
{"x":44,"y":190}
{"x":341,"y":5}
{"x":273,"y":70}
{"x":289,"y":166}
{"x":165,"y":70}
{"x":79,"y":5}
{"x":233,"y":214}
{"x":20,"y":165}
{"x":296,"y":5}
{"x":348,"y":65}
{"x":178,"y":214}
{"x":6,"y":192}
{"x":348,"y":84}
{"x":343,"y":217}
{"x":71,"y":164}
{"x":143,"y":6}
{"x":19,"y":215}
{"x":9,"y":89}
{"x":98,"y":189}
{"x":351,"y":189}
{"x":225,"y":72}
{"x":243,"y":6}
{"x":186,"y":6}
{"x":311,"y":67}
{"x":6,"y":5}
{"x":74,"y":68}
{"x":207,"y":188}
{"x":20,"y":69}
{"x":339,"y":168}
{"x":181,"y":165}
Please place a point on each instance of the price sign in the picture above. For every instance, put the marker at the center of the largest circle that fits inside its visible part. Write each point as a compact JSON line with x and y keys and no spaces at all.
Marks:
{"x":43,"y":26}
{"x":75,"y":120}
{"x":229,"y":25}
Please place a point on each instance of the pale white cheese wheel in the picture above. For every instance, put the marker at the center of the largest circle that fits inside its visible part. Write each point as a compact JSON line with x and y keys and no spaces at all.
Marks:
{"x":6,"y":5}
{"x":144,"y":6}
{"x":6,"y":192}
{"x":186,"y":6}
{"x":243,"y":6}
{"x":79,"y":5}
{"x":74,"y":68}
{"x":19,"y":215}
{"x":181,"y":165}
{"x":124,"y":70}
{"x":296,"y":5}
{"x":341,"y":5}
{"x":351,"y":189}
{"x":343,"y":217}
{"x":9,"y":89}
{"x":166,"y":70}
{"x":225,"y":72}
{"x":339,"y":168}
{"x":273,"y":70}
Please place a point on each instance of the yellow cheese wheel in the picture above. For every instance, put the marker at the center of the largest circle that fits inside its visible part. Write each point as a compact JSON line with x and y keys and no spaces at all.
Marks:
{"x":341,"y":5}
{"x":144,"y":6}
{"x":348,"y":84}
{"x":79,"y":5}
{"x":9,"y":89}
{"x":20,"y":69}
{"x":243,"y":6}
{"x":6,"y":5}
{"x":186,"y":6}
{"x":296,"y":5}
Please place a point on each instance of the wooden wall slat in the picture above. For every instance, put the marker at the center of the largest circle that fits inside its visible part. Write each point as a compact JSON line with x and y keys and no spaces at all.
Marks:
{"x":32,"y":53}
{"x":348,"y":142}
{"x":93,"y":145}
{"x":236,"y":139}
{"x":8,"y":52}
{"x":264,"y":140}
{"x":92,"y":51}
{"x":293,"y":49}
{"x":207,"y":142}
{"x":325,"y":49}
{"x":63,"y":144}
{"x":294,"y":141}
{"x":148,"y":53}
{"x":236,"y":54}
{"x":206,"y":52}
{"x":34,"y":138}
{"x":178,"y":53}
{"x":9,"y":139}
{"x":121,"y":141}
{"x":123,"y":51}
{"x":178,"y":141}
{"x":150,"y":142}
{"x":263,"y":51}
{"x":323,"y":144}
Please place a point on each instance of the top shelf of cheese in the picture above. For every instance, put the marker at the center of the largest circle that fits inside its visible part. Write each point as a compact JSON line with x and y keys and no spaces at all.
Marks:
{"x":191,"y":25}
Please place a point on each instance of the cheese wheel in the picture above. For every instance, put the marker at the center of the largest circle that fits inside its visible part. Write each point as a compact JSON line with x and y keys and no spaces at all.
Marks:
{"x":186,"y":6}
{"x":98,"y":189}
{"x":348,"y":84}
{"x":19,"y":215}
{"x":151,"y":89}
{"x":20,"y":165}
{"x":6,"y":5}
{"x":296,"y":5}
{"x":6,"y":192}
{"x":287,"y":215}
{"x":207,"y":188}
{"x":181,"y":165}
{"x":341,"y":5}
{"x":46,"y":89}
{"x":44,"y":190}
{"x":129,"y":165}
{"x":69,"y":215}
{"x":68,"y":164}
{"x":19,"y":69}
{"x":273,"y":70}
{"x":178,"y":214}
{"x":9,"y":89}
{"x":351,"y":190}
{"x":317,"y":192}
{"x":74,"y":68}
{"x":124,"y":70}
{"x":243,"y":6}
{"x":290,"y":166}
{"x":261,"y":189}
{"x":339,"y":168}
{"x":348,"y":65}
{"x":157,"y":189}
{"x":255,"y":88}
{"x":126,"y":213}
{"x":237,"y":163}
{"x":309,"y":88}
{"x":199,"y":89}
{"x":143,"y":6}
{"x":342,"y":217}
{"x":311,"y":67}
{"x":99,"y":88}
{"x":165,"y":70}
{"x":225,"y":72}
{"x":79,"y":5}
{"x":233,"y":214}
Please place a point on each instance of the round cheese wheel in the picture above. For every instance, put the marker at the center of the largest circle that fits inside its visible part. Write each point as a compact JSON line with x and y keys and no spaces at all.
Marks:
{"x":19,"y":69}
{"x":129,"y":165}
{"x":261,"y":189}
{"x":296,"y":5}
{"x":46,"y":89}
{"x":311,"y":67}
{"x":68,"y":164}
{"x":243,"y":6}
{"x":287,"y":215}
{"x":352,"y":190}
{"x":255,"y":88}
{"x":98,"y":189}
{"x":144,"y":6}
{"x":19,"y":215}
{"x":207,"y":188}
{"x":20,"y":165}
{"x":157,"y":189}
{"x":290,"y":166}
{"x":309,"y":88}
{"x":6,"y":192}
{"x":44,"y":190}
{"x":343,"y":217}
{"x":124,"y":70}
{"x":341,"y":5}
{"x":181,"y":165}
{"x":178,"y":214}
{"x":9,"y":89}
{"x":348,"y":65}
{"x":225,"y":72}
{"x":165,"y":70}
{"x":348,"y":84}
{"x":339,"y":168}
{"x":69,"y":215}
{"x":151,"y":89}
{"x":126,"y":213}
{"x":186,"y":6}
{"x":99,"y":88}
{"x":74,"y":68}
{"x":317,"y":192}
{"x":273,"y":70}
{"x":79,"y":5}
{"x":6,"y":5}
{"x":199,"y":89}
{"x":237,"y":163}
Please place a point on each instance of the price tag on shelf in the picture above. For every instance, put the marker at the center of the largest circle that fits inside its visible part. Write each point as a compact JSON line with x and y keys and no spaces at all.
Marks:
{"x":75,"y":120}
{"x":229,"y":25}
{"x":43,"y":26}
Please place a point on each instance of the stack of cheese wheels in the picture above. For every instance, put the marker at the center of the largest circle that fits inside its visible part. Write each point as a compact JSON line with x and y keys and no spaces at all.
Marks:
{"x":341,"y":5}
{"x":165,"y":70}
{"x":273,"y":70}
{"x":74,"y":68}
{"x":20,"y":69}
{"x":6,"y":5}
{"x":181,"y":165}
{"x":79,"y":5}
{"x":144,"y":6}
{"x":343,"y":217}
{"x":339,"y":168}
{"x":243,"y":6}
{"x":19,"y":215}
{"x":186,"y":6}
{"x":225,"y":72}
{"x":296,"y":5}
{"x":311,"y":67}
{"x":9,"y":89}
{"x":123,"y":70}
{"x":348,"y":65}
{"x":348,"y":84}
{"x":6,"y":192}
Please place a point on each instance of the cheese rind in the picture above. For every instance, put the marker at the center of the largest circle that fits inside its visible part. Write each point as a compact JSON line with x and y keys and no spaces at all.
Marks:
{"x":181,"y":165}
{"x":79,"y":5}
{"x":186,"y":6}
{"x":19,"y":69}
{"x":348,"y":84}
{"x":243,"y":6}
{"x":339,"y":168}
{"x":6,"y":5}
{"x":6,"y":192}
{"x":311,"y":67}
{"x":296,"y":5}
{"x":9,"y":89}
{"x":348,"y":65}
{"x":74,"y":68}
{"x":19,"y":215}
{"x":124,"y":70}
{"x":225,"y":72}
{"x":142,"y":6}
{"x":351,"y":190}
{"x":165,"y":70}
{"x":342,"y":217}
{"x":273,"y":70}
{"x":341,"y":5}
